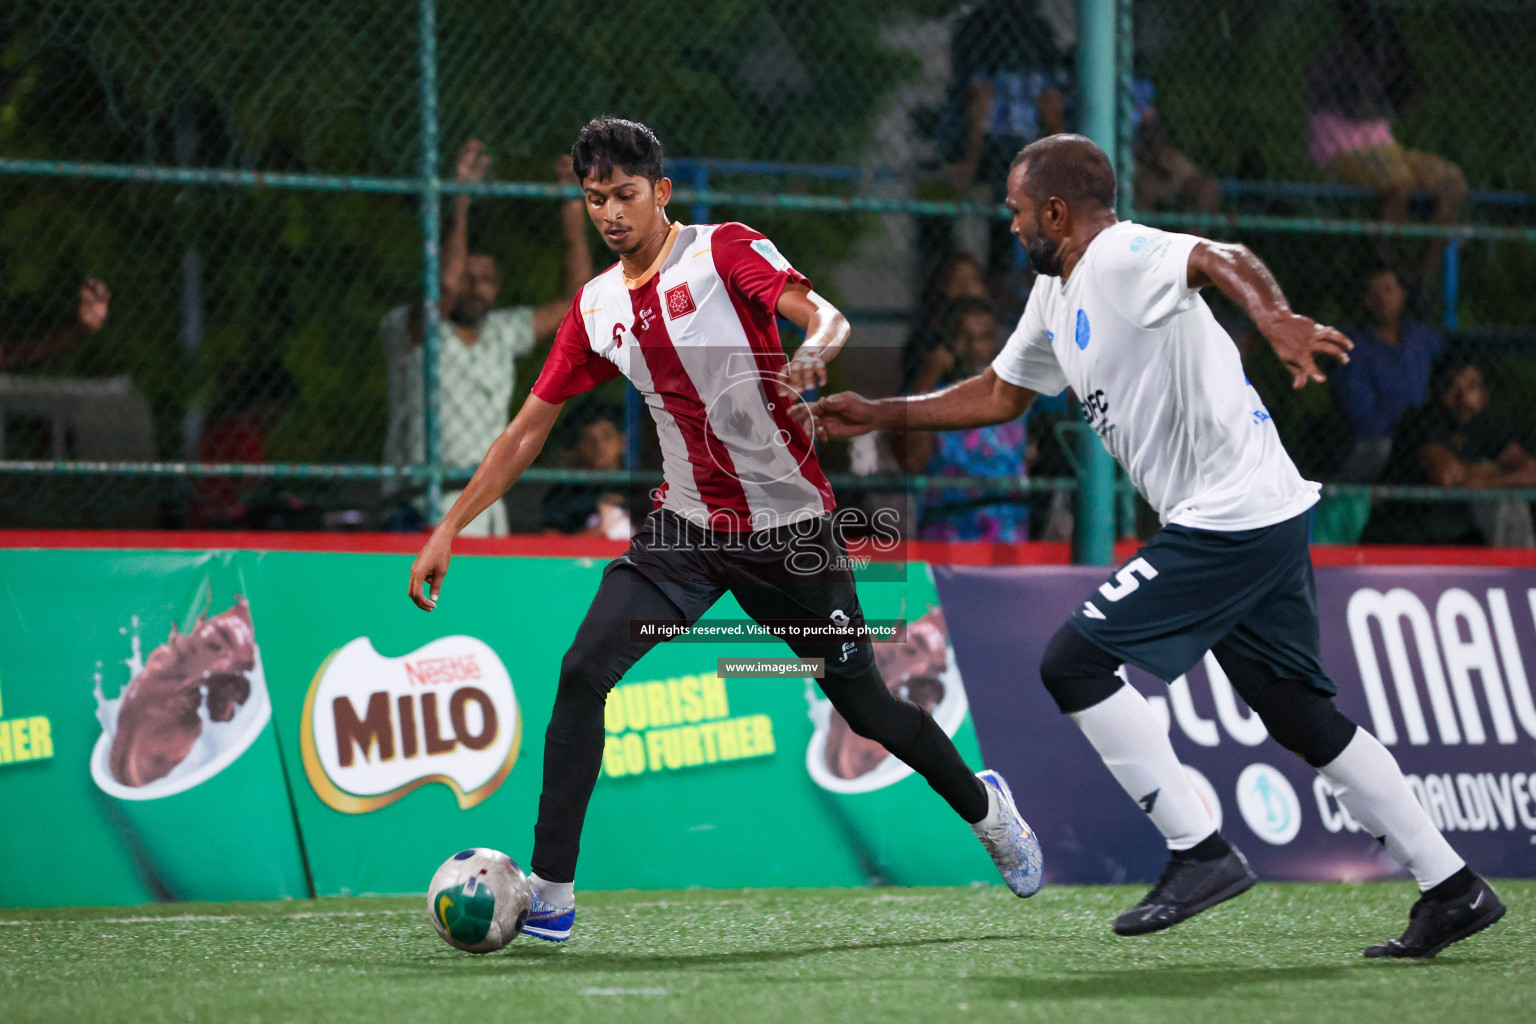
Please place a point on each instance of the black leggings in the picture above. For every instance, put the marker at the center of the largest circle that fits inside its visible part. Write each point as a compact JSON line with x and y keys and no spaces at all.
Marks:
{"x":603,"y":651}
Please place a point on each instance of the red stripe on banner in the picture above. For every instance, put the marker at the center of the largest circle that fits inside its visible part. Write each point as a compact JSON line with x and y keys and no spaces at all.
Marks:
{"x":1401,"y":554}
{"x":521,"y":545}
{"x":714,"y":472}
{"x":535,"y":545}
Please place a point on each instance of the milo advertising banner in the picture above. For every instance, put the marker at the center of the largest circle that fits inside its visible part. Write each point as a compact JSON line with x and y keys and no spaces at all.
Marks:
{"x":138,"y":733}
{"x":255,"y":725}
{"x":1437,"y":662}
{"x":419,"y":734}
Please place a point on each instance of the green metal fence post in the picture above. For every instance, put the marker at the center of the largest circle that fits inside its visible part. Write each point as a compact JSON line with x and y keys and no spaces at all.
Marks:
{"x":1093,"y":538}
{"x":431,"y":255}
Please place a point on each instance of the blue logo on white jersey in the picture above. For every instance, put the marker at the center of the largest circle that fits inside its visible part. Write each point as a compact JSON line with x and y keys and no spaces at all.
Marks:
{"x":1082,"y":330}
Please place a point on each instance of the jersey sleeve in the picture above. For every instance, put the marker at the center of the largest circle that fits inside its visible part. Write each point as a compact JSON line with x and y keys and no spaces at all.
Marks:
{"x":1027,"y":360}
{"x":1146,"y":273}
{"x":572,"y":368}
{"x":752,"y":267}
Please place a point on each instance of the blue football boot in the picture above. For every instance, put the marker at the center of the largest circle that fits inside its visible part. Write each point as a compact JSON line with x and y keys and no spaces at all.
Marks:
{"x":1011,"y":842}
{"x":549,"y":922}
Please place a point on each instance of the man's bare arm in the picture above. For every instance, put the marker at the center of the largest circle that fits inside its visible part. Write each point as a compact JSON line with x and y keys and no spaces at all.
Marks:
{"x":1243,"y":278}
{"x":95,"y":300}
{"x":510,"y":454}
{"x":978,"y":401}
{"x":470,"y":169}
{"x":578,"y":256}
{"x":826,"y":330}
{"x":1514,"y":468}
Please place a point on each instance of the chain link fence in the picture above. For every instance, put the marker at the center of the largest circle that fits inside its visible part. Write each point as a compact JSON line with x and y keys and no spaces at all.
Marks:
{"x":221,"y":227}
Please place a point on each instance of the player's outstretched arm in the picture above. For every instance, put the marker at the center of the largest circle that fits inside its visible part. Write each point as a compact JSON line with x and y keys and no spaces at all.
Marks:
{"x":826,"y":329}
{"x":980,"y":401}
{"x":510,"y":454}
{"x":1298,"y":340}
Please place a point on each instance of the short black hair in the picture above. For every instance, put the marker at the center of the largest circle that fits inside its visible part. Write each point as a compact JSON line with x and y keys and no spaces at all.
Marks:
{"x":607,"y":142}
{"x":1447,"y":365}
{"x":1379,"y":266}
{"x":1069,"y":167}
{"x":956,"y":310}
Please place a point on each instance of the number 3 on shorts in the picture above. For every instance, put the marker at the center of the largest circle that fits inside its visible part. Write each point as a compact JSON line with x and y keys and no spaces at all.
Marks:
{"x":1125,"y":580}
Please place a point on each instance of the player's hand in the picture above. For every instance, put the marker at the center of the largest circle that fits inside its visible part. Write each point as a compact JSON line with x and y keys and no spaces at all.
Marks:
{"x":94,"y":302}
{"x":1298,"y":341}
{"x":472,"y":164}
{"x":805,"y":372}
{"x":428,"y":570}
{"x":845,"y":414}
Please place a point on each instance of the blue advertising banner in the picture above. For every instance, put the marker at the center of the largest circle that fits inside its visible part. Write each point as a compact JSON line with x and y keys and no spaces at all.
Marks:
{"x":1432,"y":660}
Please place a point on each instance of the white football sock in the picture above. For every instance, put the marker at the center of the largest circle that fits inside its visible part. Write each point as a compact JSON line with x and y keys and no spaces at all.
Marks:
{"x":990,"y":821}
{"x":1367,"y":781}
{"x":556,"y":894}
{"x":1133,"y":743}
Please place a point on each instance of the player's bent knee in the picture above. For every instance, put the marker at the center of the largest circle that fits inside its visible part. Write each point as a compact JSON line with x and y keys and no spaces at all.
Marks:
{"x":871,"y":710}
{"x":1078,"y":673}
{"x":587,"y":666}
{"x":1306,"y":722}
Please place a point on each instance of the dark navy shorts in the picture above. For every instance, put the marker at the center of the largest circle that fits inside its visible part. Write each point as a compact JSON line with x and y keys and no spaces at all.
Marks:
{"x":1188,"y":590}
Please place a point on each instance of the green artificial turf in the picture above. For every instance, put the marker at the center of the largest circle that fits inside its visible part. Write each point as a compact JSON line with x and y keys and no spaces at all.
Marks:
{"x":1280,"y":953}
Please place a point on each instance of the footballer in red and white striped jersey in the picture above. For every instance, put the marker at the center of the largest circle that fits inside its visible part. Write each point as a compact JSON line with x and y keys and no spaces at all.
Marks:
{"x":688,"y":314}
{"x":698,"y":337}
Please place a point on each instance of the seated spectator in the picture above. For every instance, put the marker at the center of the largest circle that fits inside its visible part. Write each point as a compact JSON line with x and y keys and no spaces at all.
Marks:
{"x":595,"y":509}
{"x":956,"y":275}
{"x":252,"y":403}
{"x":1387,"y":373}
{"x":1454,"y":441}
{"x":972,"y":340}
{"x":90,"y":314}
{"x":1358,"y":84}
{"x":1165,"y":179}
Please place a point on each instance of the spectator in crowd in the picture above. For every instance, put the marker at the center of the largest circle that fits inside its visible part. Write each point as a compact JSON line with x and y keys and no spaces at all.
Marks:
{"x":956,"y":275}
{"x":90,"y":314}
{"x":591,"y":509}
{"x":1009,"y":87}
{"x":1387,"y":373}
{"x":1358,"y":83}
{"x":1165,"y":179}
{"x":252,"y":402}
{"x":477,"y":343}
{"x":1454,"y":441}
{"x":972,"y":340}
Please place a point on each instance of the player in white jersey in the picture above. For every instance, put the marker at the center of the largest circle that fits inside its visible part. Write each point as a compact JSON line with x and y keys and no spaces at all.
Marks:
{"x":1116,"y":315}
{"x":689,"y":315}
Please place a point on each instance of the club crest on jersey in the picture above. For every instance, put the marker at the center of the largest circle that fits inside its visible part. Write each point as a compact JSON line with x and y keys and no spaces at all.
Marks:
{"x":1083,"y":333}
{"x":679,"y":301}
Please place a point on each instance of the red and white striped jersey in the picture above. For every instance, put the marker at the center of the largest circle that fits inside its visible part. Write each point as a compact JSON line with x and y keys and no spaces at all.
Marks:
{"x":698,"y":337}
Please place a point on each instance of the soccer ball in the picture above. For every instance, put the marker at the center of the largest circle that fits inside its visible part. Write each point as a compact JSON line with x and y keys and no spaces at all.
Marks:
{"x":478,"y":900}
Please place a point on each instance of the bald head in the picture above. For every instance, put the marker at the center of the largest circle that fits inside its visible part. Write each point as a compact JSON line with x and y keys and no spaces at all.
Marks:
{"x":1071,"y":168}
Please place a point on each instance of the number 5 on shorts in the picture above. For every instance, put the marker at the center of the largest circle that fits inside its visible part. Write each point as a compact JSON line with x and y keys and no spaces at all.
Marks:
{"x":1125,"y":580}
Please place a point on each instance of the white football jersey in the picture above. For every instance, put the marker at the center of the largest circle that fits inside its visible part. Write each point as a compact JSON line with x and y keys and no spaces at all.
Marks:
{"x":1160,"y":382}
